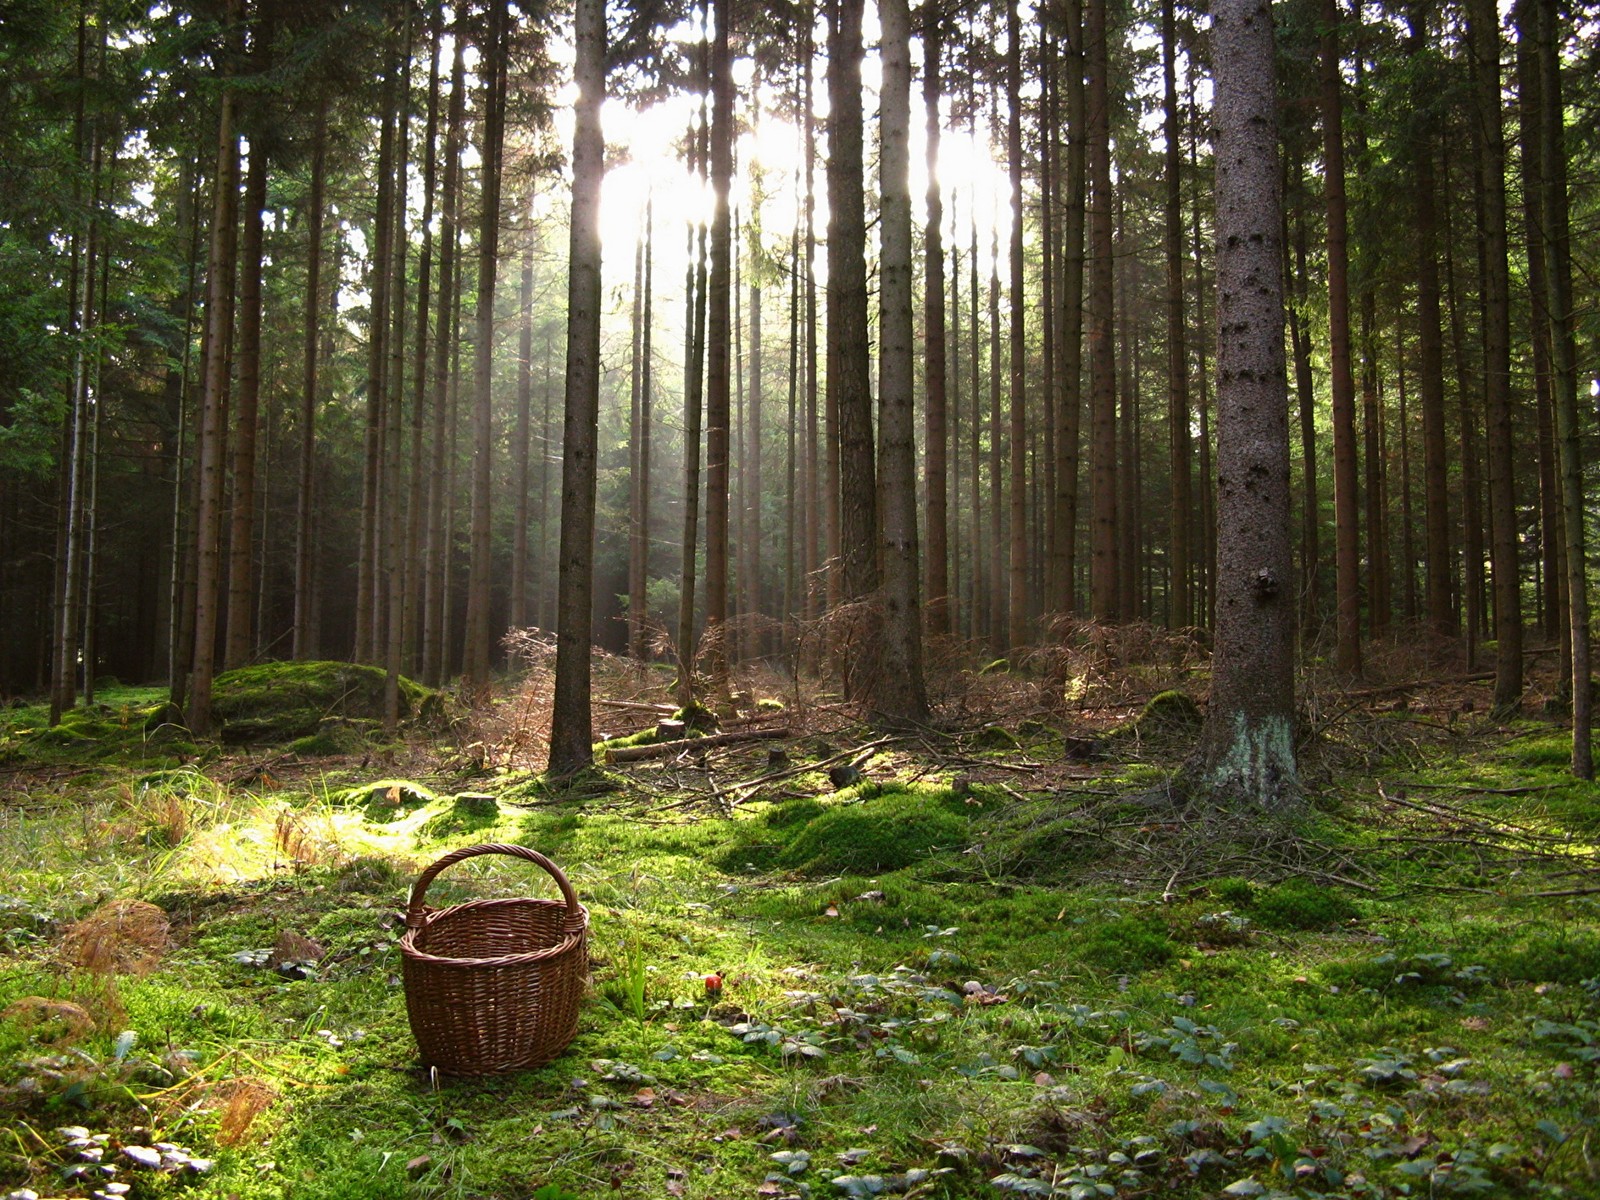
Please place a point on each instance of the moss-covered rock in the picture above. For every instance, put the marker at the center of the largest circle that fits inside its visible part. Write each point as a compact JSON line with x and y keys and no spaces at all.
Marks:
{"x":277,"y":702}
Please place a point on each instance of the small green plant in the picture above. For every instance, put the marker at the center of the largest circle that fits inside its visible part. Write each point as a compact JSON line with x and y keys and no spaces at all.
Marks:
{"x":626,"y":991}
{"x":554,"y":1191}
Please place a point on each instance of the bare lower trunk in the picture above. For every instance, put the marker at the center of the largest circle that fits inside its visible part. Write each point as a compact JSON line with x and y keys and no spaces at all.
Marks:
{"x":1248,"y":752}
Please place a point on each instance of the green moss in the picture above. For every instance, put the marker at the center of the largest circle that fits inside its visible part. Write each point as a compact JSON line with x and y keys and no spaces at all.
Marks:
{"x":995,"y":737}
{"x":643,"y":737}
{"x":1127,"y":944}
{"x":697,"y":718}
{"x":1560,"y":956}
{"x":884,"y":834}
{"x":1301,"y":904}
{"x":794,"y":812}
{"x":1234,"y":892}
{"x":286,"y":700}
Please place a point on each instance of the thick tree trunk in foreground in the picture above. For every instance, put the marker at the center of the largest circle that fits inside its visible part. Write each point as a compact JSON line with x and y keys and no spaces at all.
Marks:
{"x":1247,"y":747}
{"x":898,"y":694}
{"x":571,"y":727}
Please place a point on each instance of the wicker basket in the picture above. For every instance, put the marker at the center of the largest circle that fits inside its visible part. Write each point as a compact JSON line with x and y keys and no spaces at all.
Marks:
{"x":494,"y":985}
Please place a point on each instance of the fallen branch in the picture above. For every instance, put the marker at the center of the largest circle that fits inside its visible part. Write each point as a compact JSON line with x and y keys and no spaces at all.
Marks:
{"x":623,"y":754}
{"x":1417,"y":685}
{"x":637,"y":706}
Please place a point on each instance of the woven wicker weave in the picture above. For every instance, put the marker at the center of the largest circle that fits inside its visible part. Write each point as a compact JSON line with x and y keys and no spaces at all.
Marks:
{"x":494,"y":985}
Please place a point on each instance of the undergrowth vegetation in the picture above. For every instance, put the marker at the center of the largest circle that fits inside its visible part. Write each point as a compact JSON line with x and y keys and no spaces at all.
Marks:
{"x":946,"y":966}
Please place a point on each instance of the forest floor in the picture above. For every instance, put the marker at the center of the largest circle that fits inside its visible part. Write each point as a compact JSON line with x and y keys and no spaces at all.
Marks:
{"x":996,"y":959}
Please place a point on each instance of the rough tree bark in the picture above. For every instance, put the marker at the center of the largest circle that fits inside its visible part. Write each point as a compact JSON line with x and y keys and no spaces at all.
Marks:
{"x":1247,"y":746}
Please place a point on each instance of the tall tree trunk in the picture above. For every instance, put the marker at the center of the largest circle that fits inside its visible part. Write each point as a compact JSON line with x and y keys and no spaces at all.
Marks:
{"x":1471,"y":457}
{"x":898,"y":695}
{"x":811,"y":565}
{"x":935,"y":432}
{"x":571,"y":728}
{"x":1247,"y":749}
{"x":304,"y":639}
{"x":74,"y":434}
{"x":1180,"y":491}
{"x":415,"y":552}
{"x":1551,"y":606}
{"x":1017,"y":611}
{"x":1069,"y":342}
{"x":180,"y":641}
{"x":241,"y":536}
{"x":1430,"y":346}
{"x":960,"y":606}
{"x":1341,"y":382}
{"x":1379,"y":600}
{"x":435,"y":597}
{"x":1483,"y":37}
{"x":1103,"y":566}
{"x":475,"y":659}
{"x":520,"y":466}
{"x":1300,"y":339}
{"x":368,"y":586}
{"x":211,"y":443}
{"x":849,"y":388}
{"x":1207,"y":600}
{"x":1558,"y":279}
{"x":719,"y":333}
{"x":392,"y":619}
{"x":694,"y":369}
{"x":1407,"y":533}
{"x":980,"y":607}
{"x":998,"y":627}
{"x":753,"y":606}
{"x":639,"y":446}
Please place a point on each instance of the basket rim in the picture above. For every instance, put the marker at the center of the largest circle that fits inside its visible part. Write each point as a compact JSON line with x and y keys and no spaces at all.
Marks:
{"x":572,"y":936}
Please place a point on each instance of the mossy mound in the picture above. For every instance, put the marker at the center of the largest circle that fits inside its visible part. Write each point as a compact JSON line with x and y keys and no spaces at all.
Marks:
{"x":1169,"y":714}
{"x":278,"y":702}
{"x":891,"y":831}
{"x":995,"y":737}
{"x":387,"y":799}
{"x":1302,"y":904}
{"x":1127,"y":944}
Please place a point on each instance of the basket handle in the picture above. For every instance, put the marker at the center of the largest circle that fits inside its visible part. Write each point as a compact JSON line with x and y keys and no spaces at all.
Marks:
{"x":416,"y":911}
